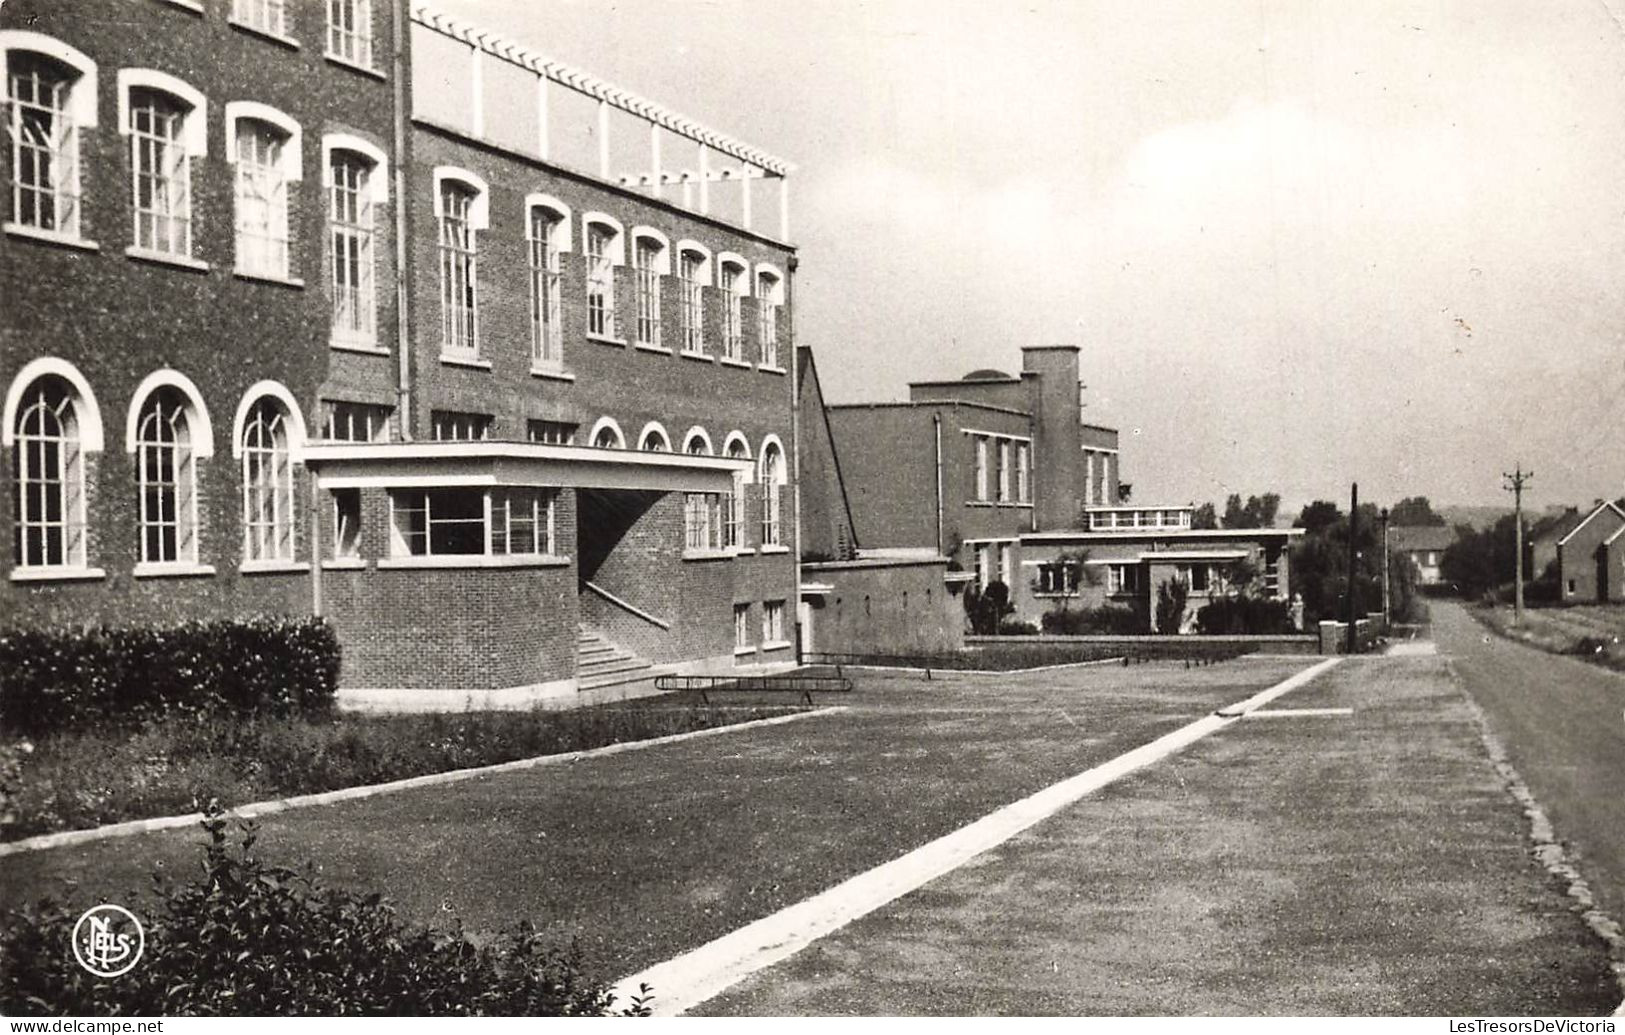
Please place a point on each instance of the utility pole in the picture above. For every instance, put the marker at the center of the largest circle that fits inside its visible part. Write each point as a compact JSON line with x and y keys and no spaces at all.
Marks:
{"x":1386,"y":564}
{"x":1514,"y":485}
{"x":1354,"y":529}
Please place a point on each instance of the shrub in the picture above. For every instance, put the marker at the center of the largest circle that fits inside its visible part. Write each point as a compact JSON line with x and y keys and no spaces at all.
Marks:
{"x":1015,"y":627}
{"x":59,"y":679}
{"x":1244,"y":615}
{"x":1100,"y":621}
{"x":1171,"y":606}
{"x":987,"y":607}
{"x":248,"y":939}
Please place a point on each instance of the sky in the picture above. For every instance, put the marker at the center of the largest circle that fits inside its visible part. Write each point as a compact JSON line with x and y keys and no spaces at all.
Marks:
{"x":1299,"y":243}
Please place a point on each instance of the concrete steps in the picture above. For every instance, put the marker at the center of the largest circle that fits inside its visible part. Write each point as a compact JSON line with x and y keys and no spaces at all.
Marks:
{"x":601,"y":664}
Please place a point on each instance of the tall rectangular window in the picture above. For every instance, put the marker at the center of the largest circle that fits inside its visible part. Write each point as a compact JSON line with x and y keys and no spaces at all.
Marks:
{"x":262,"y":200}
{"x":350,"y":223}
{"x":733,"y":318}
{"x":646,"y":260}
{"x":270,"y":15}
{"x":702,"y":521}
{"x":45,"y":144}
{"x":346,"y":524}
{"x":773,"y":621}
{"x":161,"y":171}
{"x":981,"y":467}
{"x":1003,"y":484}
{"x":458,"y":271}
{"x":349,"y":31}
{"x":522,"y":521}
{"x":1024,"y":489}
{"x":600,"y":281}
{"x":767,"y":318}
{"x":741,"y":627}
{"x":546,"y":314}
{"x":689,"y":266}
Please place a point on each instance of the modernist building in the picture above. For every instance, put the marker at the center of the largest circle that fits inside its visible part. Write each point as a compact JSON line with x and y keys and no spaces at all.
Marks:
{"x":290,"y":327}
{"x":1001,"y":476}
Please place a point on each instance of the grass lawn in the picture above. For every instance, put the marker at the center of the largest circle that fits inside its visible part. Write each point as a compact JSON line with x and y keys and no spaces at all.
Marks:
{"x":646,"y":854}
{"x":75,"y":780}
{"x":1561,"y":630}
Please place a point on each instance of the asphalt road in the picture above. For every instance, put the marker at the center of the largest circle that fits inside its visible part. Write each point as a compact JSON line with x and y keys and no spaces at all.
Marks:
{"x":1562,"y":721}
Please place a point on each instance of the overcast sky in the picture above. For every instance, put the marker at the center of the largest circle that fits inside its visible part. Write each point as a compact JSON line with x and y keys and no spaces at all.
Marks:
{"x":1299,"y":243}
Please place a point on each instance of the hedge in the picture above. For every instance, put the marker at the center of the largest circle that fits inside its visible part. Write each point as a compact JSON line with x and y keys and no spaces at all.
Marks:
{"x":244,"y":938}
{"x":57,"y":679}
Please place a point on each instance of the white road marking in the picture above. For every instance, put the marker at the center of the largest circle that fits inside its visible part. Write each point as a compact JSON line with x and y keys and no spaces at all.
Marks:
{"x":688,"y":980}
{"x":1294,"y":713}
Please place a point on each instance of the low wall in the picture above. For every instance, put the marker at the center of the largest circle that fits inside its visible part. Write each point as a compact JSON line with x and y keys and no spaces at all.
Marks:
{"x":884,"y":606}
{"x":1294,"y":643}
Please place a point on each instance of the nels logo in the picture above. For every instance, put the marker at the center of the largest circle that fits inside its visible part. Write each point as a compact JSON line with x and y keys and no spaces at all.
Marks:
{"x":108,"y":940}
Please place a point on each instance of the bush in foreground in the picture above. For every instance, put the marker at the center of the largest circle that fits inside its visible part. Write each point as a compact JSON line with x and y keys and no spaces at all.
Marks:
{"x":1242,"y":616}
{"x":1095,"y":621}
{"x":56,"y":679}
{"x":249,"y":939}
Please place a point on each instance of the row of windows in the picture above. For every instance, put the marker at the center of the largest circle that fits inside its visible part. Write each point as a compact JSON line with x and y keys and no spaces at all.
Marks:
{"x":52,"y":426}
{"x":349,"y":25}
{"x":462,"y":212}
{"x":51,"y":95}
{"x":1010,"y":477}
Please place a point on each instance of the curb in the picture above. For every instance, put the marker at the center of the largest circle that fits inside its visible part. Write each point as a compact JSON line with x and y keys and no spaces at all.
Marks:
{"x":978,"y":671}
{"x":63,"y":838}
{"x":1550,"y":851}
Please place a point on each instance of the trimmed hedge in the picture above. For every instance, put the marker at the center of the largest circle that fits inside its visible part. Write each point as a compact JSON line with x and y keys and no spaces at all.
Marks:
{"x":1239,"y":616}
{"x":243,"y":938}
{"x":57,"y":679}
{"x":1108,"y":620}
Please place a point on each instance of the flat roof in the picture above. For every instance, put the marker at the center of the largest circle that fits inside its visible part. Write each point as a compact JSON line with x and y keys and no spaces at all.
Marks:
{"x":927,"y":402}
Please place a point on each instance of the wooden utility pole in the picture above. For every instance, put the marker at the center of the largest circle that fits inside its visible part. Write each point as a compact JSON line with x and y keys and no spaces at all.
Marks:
{"x":1514,"y":485}
{"x":1354,"y":530}
{"x":1386,"y":564}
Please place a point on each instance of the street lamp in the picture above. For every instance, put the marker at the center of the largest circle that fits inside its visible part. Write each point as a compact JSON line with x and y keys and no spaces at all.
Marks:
{"x":1386,"y":564}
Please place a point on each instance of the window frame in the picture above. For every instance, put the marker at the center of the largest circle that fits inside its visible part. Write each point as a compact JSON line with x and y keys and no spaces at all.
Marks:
{"x":170,"y":153}
{"x":694,"y":275}
{"x":274,"y":178}
{"x":603,"y":242}
{"x":360,"y":232}
{"x":461,"y":212}
{"x":497,"y":521}
{"x":269,"y":513}
{"x":651,"y":260}
{"x":733,"y":280}
{"x":62,"y":186}
{"x":77,"y":435}
{"x":359,"y":30}
{"x":772,"y":473}
{"x":769,"y":287}
{"x":544,"y":253}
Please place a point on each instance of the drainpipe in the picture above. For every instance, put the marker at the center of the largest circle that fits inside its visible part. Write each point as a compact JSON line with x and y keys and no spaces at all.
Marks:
{"x":936,"y":427}
{"x":315,"y":544}
{"x":795,"y":433}
{"x":403,"y":293}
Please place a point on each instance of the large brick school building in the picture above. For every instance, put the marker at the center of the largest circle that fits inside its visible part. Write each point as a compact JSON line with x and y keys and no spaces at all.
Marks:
{"x":306,"y":306}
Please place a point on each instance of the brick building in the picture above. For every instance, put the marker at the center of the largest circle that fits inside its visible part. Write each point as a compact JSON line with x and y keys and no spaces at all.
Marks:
{"x":1591,"y":556}
{"x":1001,"y":476}
{"x":293,"y":327}
{"x":1425,"y":546}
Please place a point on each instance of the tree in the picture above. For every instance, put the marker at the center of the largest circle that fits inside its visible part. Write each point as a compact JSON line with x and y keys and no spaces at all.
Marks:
{"x":1319,"y":516}
{"x":1257,"y":512}
{"x":1125,"y":491}
{"x":1075,"y":573}
{"x":1414,"y":510}
{"x":1171,"y":596}
{"x":1478,"y":562}
{"x":1205,"y":517}
{"x":988,"y":607}
{"x":1235,"y":516}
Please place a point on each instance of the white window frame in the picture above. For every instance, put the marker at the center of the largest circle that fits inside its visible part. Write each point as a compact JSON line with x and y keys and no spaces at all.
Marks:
{"x":268,"y":16}
{"x":651,"y":260}
{"x":606,"y":429}
{"x":71,"y":110}
{"x":981,"y":447}
{"x":352,"y":234}
{"x":654,"y":432}
{"x":693,"y":277}
{"x":603,"y":242}
{"x":733,"y":280}
{"x":547,"y":237}
{"x":1002,"y":485}
{"x":1024,"y":487}
{"x":349,"y":31}
{"x":737,"y":447}
{"x":769,"y":299}
{"x":461,"y":209}
{"x":74,"y":432}
{"x":773,"y":622}
{"x":161,"y":158}
{"x":263,"y":185}
{"x":742,"y":628}
{"x":771,"y":472}
{"x":342,"y":415}
{"x":459,"y":426}
{"x":536,"y":507}
{"x":266,"y":450}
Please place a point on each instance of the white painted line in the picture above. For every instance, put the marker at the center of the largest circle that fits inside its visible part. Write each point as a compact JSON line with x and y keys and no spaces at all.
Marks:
{"x":1295,"y":713}
{"x":266,"y":808}
{"x":690,"y":979}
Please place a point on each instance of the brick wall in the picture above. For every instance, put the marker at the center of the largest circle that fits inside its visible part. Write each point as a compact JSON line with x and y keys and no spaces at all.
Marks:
{"x":885,"y":608}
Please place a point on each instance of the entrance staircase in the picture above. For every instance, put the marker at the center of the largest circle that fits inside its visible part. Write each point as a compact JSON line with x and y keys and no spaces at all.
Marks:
{"x":601,"y":664}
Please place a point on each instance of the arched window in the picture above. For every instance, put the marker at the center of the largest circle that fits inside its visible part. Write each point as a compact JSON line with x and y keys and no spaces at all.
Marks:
{"x":605,"y":251}
{"x":50,"y":471}
{"x":654,"y":439}
{"x":166,"y":479}
{"x":263,"y":153}
{"x":769,"y":297}
{"x":44,"y":131}
{"x":693,"y":276}
{"x":732,"y":280}
{"x":697,"y":443}
{"x":548,"y":234}
{"x":267,"y":483}
{"x":733,"y":527}
{"x":162,"y":172}
{"x":606,"y":434}
{"x":355,"y":182}
{"x":651,"y":259}
{"x":773,"y":476}
{"x":459,"y":254}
